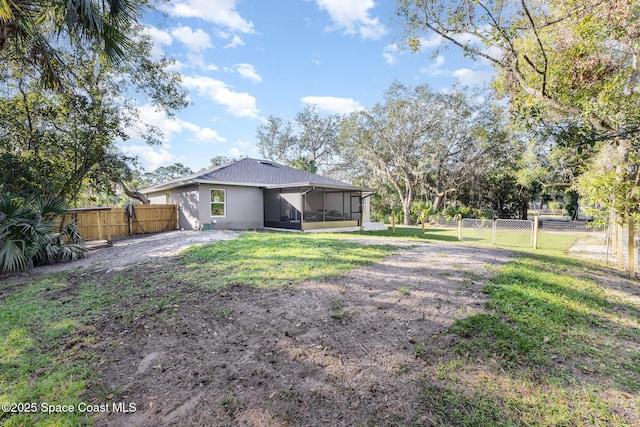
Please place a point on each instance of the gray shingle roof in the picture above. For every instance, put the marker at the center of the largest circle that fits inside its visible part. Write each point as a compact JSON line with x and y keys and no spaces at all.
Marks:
{"x":256,"y":173}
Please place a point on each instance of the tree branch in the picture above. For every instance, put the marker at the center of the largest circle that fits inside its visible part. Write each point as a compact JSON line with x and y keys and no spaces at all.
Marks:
{"x":132,"y":193}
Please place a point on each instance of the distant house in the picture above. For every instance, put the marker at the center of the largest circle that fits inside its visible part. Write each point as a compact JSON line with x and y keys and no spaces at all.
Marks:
{"x":255,"y":194}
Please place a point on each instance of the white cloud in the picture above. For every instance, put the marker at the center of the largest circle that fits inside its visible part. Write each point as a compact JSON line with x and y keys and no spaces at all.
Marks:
{"x":468,"y":77}
{"x":169,"y":126}
{"x":159,"y":38}
{"x":240,"y":104}
{"x":389,"y":53}
{"x":205,"y":135}
{"x":243,"y":149}
{"x":219,"y":12}
{"x":150,"y":115}
{"x":196,"y":41}
{"x":152,"y":157}
{"x":332,"y":104}
{"x":245,"y":145}
{"x":435,"y":40}
{"x":196,"y":60}
{"x":177,"y":66}
{"x":235,"y":152}
{"x":235,"y":42}
{"x":435,"y":68}
{"x":353,"y":17}
{"x":248,"y":72}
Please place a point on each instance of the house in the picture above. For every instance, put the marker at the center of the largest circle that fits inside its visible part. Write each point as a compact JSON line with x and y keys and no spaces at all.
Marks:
{"x":255,"y":194}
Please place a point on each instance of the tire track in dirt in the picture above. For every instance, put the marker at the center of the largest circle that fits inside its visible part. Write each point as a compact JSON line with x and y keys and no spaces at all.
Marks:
{"x":342,"y":352}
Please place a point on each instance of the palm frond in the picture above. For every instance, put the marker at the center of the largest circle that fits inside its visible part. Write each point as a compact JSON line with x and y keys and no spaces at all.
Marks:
{"x":12,"y":257}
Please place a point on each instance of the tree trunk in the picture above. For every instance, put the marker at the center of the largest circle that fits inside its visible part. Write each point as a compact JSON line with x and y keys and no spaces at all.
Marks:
{"x":438,"y":201}
{"x":407,"y":212}
{"x":132,"y":193}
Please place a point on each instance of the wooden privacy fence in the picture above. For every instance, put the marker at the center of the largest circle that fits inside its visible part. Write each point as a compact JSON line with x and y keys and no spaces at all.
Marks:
{"x":112,"y":223}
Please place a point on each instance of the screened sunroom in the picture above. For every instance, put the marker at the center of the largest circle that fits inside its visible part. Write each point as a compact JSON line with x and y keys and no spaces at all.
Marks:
{"x":312,"y":208}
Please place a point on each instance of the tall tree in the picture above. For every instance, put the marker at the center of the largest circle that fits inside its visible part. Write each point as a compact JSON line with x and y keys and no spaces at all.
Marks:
{"x":390,"y":137}
{"x":576,"y":59}
{"x":165,"y":174}
{"x":467,"y":138}
{"x":276,"y":140}
{"x":419,"y":140}
{"x":219,"y":161}
{"x":33,"y":31}
{"x":56,"y":141}
{"x":571,"y":65}
{"x":313,"y":139}
{"x":318,"y":138}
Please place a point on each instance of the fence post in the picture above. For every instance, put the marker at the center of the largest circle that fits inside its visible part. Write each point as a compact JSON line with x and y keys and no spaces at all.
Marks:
{"x":129,"y":226}
{"x":99,"y":225}
{"x":493,"y":233}
{"x":613,"y":235}
{"x":422,"y":227}
{"x":619,"y":232}
{"x":108,"y":214}
{"x":630,"y":248}
{"x":535,"y":231}
{"x":460,"y":227}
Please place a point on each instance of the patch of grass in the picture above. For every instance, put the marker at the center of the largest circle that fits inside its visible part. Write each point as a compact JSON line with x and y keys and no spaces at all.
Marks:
{"x":224,"y":313}
{"x":415,"y":232}
{"x":401,"y":368}
{"x":405,"y":291}
{"x":558,"y":346}
{"x":41,"y":348}
{"x":450,"y":406}
{"x":339,"y":312}
{"x":274,"y":260}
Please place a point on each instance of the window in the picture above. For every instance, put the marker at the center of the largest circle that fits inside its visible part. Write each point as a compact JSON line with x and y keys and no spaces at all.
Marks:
{"x":218,"y":202}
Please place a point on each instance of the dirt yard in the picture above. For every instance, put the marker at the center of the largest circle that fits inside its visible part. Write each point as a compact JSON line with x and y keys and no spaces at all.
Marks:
{"x":351,"y":351}
{"x":141,"y":250}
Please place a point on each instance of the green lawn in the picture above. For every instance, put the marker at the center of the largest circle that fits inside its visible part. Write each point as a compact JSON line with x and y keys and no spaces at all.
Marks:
{"x":46,"y":328}
{"x":275,"y":260}
{"x":559,"y":344}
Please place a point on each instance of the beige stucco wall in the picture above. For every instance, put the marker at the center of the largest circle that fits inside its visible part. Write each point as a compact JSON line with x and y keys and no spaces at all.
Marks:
{"x":244,"y":207}
{"x":187,"y":199}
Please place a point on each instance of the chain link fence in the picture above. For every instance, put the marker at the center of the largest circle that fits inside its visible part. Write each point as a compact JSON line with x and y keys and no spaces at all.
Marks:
{"x":476,"y":230}
{"x":505,"y":232}
{"x":513,"y":232}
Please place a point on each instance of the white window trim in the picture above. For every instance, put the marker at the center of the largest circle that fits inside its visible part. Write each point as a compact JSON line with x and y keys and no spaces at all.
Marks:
{"x":211,"y":202}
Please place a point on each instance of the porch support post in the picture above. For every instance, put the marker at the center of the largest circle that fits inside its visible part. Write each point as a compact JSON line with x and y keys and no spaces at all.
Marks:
{"x":302,"y":197}
{"x":324,"y":205}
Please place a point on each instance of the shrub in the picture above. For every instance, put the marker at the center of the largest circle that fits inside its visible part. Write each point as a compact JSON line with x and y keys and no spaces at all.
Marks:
{"x":28,"y":234}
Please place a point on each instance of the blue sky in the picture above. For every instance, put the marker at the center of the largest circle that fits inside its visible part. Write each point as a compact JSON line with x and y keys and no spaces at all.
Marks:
{"x":245,"y":60}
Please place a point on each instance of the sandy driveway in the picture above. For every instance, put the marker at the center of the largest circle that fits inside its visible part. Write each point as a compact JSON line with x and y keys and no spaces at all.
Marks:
{"x":141,"y":249}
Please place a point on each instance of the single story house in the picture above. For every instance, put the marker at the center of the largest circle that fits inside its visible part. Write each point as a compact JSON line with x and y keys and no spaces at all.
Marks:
{"x":256,"y":194}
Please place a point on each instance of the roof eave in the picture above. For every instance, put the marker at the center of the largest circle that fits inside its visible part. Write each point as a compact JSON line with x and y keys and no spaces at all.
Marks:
{"x":319,"y":185}
{"x":172,"y":185}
